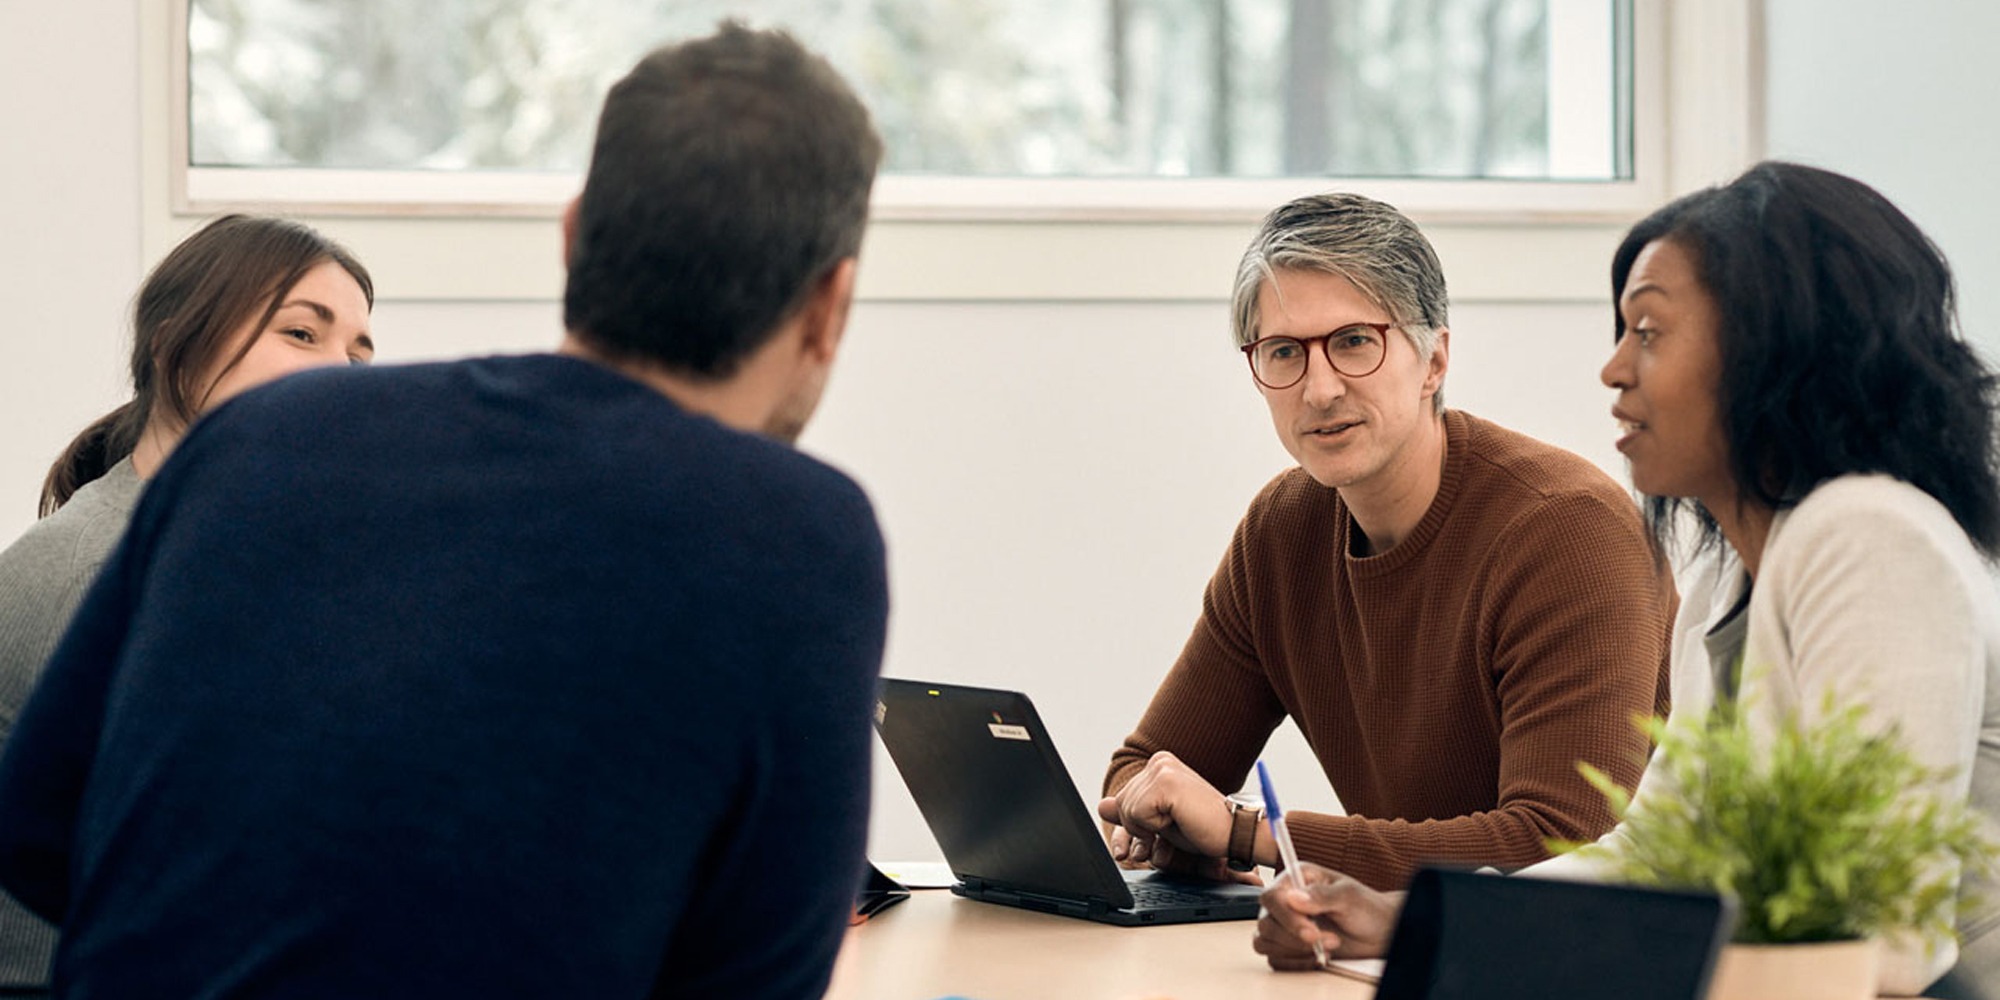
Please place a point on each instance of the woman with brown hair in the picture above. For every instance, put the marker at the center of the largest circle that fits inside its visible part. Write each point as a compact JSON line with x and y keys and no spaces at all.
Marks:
{"x":241,"y":302}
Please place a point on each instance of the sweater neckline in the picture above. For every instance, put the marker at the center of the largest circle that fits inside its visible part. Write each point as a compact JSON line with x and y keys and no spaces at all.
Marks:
{"x":1457,"y":431}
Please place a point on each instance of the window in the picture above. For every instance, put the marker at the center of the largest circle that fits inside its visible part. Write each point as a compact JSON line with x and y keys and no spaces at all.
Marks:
{"x":1047,"y":106}
{"x":485,"y":235}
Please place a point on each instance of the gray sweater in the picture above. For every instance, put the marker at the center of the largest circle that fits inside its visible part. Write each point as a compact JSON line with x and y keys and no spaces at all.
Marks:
{"x":43,"y":576}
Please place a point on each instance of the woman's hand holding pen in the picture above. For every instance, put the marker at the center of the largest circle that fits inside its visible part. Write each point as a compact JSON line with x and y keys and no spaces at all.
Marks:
{"x":1344,"y":916}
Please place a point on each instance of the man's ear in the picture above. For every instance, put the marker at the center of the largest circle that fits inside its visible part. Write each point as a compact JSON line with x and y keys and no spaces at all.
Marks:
{"x":826,"y":311}
{"x":569,"y":228}
{"x":1440,"y":361}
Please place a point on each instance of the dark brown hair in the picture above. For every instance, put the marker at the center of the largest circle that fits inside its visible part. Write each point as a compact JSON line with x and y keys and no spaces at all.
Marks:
{"x":730,"y":173}
{"x":234,"y":271}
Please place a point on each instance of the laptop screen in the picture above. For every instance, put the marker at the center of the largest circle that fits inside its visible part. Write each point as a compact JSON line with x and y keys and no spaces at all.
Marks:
{"x":1463,"y":936}
{"x":994,"y":791}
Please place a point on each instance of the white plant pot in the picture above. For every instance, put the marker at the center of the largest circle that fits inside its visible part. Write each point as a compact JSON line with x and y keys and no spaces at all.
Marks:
{"x":1823,"y":970}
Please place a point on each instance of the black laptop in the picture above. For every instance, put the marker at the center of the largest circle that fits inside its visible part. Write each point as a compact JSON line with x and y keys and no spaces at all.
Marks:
{"x":996,"y":795}
{"x":1463,"y":936}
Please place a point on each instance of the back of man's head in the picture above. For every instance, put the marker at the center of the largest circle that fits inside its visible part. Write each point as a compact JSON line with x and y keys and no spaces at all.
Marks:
{"x":730,"y":173}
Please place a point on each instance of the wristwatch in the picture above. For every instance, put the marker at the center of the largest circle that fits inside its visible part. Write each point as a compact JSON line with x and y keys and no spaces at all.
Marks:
{"x":1243,"y":822}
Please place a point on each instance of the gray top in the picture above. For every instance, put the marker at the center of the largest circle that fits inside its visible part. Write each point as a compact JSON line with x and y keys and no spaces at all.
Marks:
{"x":43,"y":576}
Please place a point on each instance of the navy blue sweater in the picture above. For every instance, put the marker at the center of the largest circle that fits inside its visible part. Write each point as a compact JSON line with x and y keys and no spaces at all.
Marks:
{"x":495,"y":678}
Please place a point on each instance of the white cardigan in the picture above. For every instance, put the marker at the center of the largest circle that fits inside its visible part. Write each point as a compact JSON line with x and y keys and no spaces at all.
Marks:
{"x":1869,"y":590}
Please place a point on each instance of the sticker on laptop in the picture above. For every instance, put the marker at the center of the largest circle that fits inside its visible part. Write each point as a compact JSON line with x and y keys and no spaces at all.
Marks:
{"x":1002,"y":731}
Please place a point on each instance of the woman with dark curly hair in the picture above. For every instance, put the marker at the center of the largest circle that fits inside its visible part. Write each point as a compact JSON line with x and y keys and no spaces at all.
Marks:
{"x":1792,"y":383}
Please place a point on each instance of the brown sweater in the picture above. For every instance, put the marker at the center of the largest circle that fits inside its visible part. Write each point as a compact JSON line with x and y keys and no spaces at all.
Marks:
{"x":1448,"y":686}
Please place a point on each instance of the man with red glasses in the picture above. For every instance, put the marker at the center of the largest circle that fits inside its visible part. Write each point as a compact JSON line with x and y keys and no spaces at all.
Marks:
{"x":1453,"y":613}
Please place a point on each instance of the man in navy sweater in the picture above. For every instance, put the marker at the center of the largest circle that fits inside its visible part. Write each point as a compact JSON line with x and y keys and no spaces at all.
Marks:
{"x":519,"y":676}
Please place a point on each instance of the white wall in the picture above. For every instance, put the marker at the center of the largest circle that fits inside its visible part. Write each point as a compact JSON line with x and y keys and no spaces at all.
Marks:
{"x":1057,"y":481}
{"x":1049,"y":530}
{"x":69,"y":230}
{"x":1901,"y":95}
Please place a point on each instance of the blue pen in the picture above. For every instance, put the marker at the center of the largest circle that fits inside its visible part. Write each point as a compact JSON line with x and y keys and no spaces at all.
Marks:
{"x":1275,"y":815}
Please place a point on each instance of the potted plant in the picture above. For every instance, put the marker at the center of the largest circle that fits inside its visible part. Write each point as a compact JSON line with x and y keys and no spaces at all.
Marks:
{"x":1814,"y":829}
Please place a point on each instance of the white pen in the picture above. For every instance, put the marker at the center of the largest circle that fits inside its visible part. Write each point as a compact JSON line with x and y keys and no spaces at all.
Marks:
{"x":1286,"y":852}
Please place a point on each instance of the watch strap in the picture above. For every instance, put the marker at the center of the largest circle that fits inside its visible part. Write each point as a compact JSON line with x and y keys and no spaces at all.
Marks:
{"x":1243,"y":822}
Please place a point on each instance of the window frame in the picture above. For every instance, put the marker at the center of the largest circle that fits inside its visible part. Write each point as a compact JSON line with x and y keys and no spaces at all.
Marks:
{"x":1696,"y":105}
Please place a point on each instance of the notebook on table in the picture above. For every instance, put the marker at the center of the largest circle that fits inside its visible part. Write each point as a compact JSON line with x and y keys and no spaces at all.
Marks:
{"x":992,"y":788}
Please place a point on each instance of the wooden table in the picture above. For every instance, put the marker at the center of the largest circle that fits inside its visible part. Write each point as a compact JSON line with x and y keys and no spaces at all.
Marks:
{"x":938,"y":945}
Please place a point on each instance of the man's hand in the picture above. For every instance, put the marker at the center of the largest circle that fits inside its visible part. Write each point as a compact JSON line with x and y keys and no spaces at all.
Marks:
{"x":1165,"y":812}
{"x":1349,"y":919}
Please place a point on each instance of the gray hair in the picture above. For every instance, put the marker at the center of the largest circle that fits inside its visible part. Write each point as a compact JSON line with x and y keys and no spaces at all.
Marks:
{"x":1363,"y":240}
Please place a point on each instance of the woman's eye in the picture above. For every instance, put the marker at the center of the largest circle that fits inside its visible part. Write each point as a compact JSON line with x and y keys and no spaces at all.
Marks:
{"x":301,"y":334}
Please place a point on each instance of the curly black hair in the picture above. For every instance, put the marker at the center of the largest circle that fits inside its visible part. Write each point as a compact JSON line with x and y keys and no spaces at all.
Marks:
{"x":1840,"y":345}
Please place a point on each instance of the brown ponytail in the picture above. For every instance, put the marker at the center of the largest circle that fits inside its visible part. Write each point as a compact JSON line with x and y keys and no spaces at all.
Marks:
{"x":101,"y":446}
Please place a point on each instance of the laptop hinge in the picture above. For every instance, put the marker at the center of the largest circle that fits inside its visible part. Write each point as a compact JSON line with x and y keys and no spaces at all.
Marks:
{"x":1032,"y":900}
